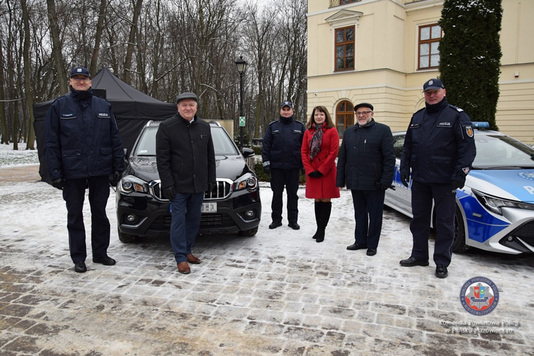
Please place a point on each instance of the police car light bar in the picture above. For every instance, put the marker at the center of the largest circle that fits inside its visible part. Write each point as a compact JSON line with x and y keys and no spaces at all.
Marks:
{"x":481,"y":125}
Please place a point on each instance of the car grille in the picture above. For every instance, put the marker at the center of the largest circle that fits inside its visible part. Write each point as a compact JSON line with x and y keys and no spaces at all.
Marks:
{"x":207,"y":221}
{"x":221,"y":190}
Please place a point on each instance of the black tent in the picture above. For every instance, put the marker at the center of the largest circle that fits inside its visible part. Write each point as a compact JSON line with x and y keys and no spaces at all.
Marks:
{"x":132,"y":109}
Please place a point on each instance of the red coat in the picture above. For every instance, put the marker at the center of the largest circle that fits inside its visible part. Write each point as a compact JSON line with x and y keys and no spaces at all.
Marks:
{"x":325,"y":162}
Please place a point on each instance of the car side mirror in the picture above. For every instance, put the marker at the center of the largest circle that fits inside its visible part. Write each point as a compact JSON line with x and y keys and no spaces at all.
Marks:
{"x":247,"y":152}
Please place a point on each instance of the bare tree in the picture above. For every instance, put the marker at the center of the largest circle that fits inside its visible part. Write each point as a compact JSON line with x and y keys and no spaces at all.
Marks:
{"x":56,"y":46}
{"x":27,"y":73}
{"x":98,"y":36}
{"x":161,"y":47}
{"x":131,"y":45}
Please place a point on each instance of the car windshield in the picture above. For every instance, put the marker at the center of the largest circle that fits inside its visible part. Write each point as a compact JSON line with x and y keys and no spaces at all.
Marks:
{"x":222,"y":144}
{"x":502,"y":152}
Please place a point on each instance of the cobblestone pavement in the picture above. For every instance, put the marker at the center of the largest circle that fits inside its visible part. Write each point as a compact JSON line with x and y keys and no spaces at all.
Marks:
{"x":278,"y":293}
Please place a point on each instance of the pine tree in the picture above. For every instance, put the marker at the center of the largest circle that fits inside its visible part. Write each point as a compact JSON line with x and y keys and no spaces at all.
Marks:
{"x":470,"y":55}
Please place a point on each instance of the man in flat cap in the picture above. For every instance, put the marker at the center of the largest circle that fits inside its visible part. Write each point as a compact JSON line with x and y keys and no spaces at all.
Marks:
{"x":186,"y":165}
{"x":438,"y":151}
{"x":366,"y":165}
{"x":83,"y":150}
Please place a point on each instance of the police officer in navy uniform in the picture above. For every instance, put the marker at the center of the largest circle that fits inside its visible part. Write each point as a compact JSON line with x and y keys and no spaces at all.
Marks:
{"x":83,"y":150}
{"x":438,"y":151}
{"x":282,"y":160}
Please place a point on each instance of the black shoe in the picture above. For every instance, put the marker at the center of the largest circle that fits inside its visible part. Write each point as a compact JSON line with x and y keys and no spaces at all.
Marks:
{"x":106,"y":261}
{"x":355,"y":247}
{"x":294,"y":226}
{"x":275,"y":224}
{"x":371,"y":251}
{"x":80,"y":267}
{"x":412,"y":261}
{"x":441,"y":271}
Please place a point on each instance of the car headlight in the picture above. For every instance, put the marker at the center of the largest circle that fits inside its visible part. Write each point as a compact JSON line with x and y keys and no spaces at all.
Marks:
{"x":247,"y":181}
{"x":129,"y":184}
{"x":494,"y":204}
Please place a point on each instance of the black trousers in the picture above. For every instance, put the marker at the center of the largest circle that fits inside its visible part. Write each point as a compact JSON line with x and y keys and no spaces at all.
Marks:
{"x":288,"y":178}
{"x":444,"y":197}
{"x":74,"y":195}
{"x":368,"y":212}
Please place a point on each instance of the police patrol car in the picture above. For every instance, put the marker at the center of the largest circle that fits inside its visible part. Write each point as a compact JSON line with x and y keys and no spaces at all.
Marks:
{"x":495,"y":208}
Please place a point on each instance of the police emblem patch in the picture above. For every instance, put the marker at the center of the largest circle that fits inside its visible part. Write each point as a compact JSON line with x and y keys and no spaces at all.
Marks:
{"x":479,"y":296}
{"x":469,"y":131}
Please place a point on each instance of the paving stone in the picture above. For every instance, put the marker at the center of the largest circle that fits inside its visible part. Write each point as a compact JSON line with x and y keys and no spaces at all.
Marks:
{"x":270,"y":294}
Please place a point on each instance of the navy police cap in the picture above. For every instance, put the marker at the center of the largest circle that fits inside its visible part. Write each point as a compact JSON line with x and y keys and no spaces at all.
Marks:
{"x":433,"y":84}
{"x":80,"y":71}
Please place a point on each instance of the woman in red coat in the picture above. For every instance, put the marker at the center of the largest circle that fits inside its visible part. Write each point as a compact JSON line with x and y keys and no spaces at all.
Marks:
{"x":320,"y":147}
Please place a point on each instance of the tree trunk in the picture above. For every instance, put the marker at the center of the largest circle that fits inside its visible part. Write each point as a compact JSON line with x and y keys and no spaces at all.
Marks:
{"x":98,"y":37}
{"x":56,"y":47}
{"x":28,"y":91}
{"x":131,"y":42}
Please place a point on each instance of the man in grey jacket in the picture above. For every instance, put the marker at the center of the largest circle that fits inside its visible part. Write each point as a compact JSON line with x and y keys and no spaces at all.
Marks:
{"x":366,"y":164}
{"x":186,"y":166}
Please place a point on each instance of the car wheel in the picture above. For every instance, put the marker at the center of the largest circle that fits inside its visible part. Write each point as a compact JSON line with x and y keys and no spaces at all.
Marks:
{"x":127,"y":238}
{"x":249,"y":233}
{"x":458,"y":245}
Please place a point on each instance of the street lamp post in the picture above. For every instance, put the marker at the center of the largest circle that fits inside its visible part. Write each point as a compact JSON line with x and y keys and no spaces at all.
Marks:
{"x":241,"y":67}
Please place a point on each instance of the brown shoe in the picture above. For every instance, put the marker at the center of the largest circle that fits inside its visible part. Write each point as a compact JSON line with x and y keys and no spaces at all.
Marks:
{"x":183,"y":268}
{"x":193,"y":259}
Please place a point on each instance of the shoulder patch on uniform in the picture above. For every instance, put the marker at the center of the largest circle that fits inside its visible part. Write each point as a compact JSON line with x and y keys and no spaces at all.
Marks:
{"x":469,"y":130}
{"x":456,"y":108}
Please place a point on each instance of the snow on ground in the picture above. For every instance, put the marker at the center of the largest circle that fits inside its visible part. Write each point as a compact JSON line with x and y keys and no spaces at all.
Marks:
{"x":22,"y":156}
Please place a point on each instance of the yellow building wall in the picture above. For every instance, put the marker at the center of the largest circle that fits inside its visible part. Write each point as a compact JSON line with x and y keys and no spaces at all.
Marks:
{"x":386,"y":72}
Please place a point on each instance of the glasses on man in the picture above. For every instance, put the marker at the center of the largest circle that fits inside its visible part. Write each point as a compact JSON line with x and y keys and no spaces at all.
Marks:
{"x":80,"y":79}
{"x":362,"y":113}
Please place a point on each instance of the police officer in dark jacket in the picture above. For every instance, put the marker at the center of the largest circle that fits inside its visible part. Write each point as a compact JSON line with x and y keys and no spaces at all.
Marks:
{"x":282,"y":160}
{"x":186,"y":165}
{"x":366,"y":164}
{"x":438,"y":151}
{"x":83,"y":149}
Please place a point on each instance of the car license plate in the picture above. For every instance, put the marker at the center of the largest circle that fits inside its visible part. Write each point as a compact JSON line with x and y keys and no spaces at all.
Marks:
{"x":209,"y":207}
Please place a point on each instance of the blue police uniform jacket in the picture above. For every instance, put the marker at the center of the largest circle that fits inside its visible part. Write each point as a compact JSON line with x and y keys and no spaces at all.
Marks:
{"x":439,"y":146}
{"x":282,"y":144}
{"x":82,"y":138}
{"x":366,"y":157}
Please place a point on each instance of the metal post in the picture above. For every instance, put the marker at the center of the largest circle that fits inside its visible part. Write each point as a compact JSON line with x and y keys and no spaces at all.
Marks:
{"x":241,"y":113}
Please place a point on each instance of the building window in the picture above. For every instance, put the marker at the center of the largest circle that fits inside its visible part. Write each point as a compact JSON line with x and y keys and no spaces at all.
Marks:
{"x":342,"y":2}
{"x":344,"y":116}
{"x":429,"y":37}
{"x":345,"y":48}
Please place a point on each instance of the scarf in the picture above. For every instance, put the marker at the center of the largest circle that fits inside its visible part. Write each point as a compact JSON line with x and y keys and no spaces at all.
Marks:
{"x":84,"y":97}
{"x":316,"y":141}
